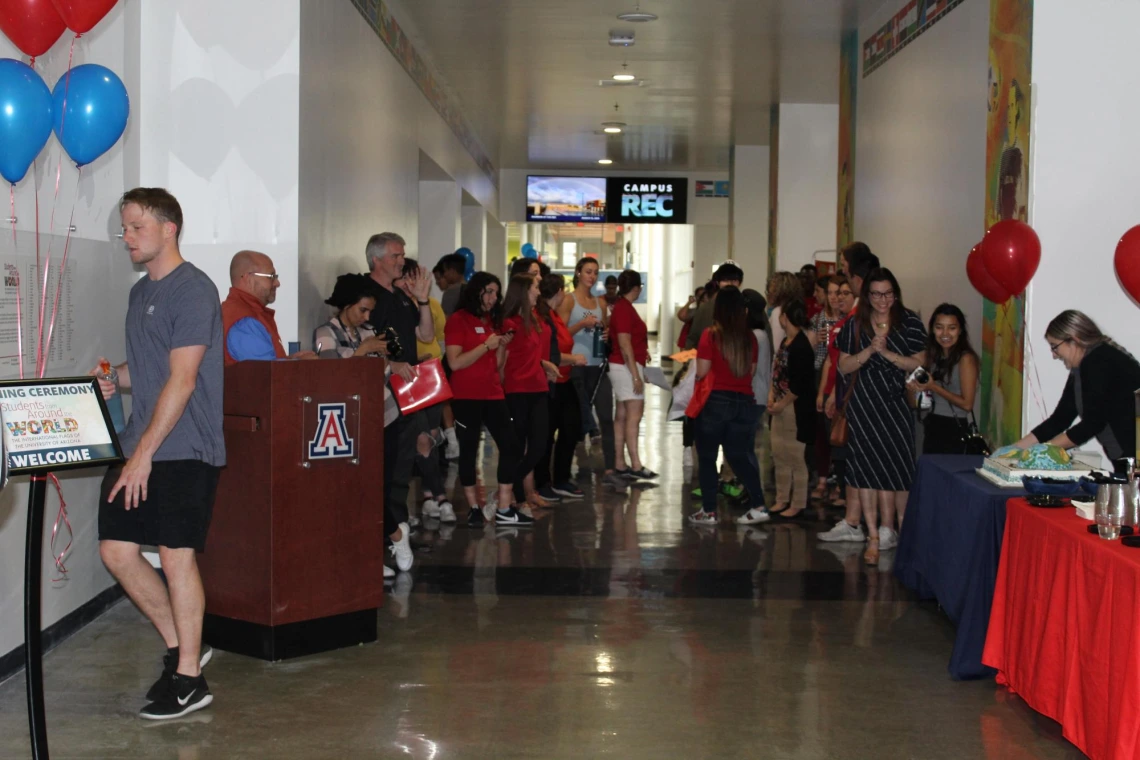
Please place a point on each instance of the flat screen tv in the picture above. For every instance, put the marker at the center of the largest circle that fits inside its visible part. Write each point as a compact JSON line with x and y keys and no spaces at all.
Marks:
{"x":565,"y":199}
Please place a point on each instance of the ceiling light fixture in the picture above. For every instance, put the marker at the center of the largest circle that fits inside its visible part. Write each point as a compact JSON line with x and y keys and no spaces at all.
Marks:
{"x":624,"y":75}
{"x":605,"y":161}
{"x":637,"y":16}
{"x":612,"y":127}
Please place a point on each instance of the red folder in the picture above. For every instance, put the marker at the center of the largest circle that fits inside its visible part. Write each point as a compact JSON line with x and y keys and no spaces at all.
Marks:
{"x":428,"y":388}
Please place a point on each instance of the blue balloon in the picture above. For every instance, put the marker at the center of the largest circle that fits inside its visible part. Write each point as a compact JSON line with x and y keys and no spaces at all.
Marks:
{"x":469,"y":256}
{"x":25,"y":118}
{"x":529,"y":253}
{"x":96,"y":112}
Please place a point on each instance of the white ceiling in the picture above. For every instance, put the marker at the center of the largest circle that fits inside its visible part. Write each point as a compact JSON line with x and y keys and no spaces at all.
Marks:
{"x":526,"y":74}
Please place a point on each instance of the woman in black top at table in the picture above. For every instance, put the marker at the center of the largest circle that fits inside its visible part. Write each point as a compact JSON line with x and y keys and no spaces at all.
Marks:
{"x":1103,"y":379}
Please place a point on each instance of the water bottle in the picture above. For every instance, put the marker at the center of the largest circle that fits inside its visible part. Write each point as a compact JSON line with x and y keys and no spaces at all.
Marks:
{"x":115,"y":402}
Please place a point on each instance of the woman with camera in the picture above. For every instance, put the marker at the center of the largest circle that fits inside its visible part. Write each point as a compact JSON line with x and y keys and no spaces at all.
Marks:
{"x":879,"y":347}
{"x":349,"y":334}
{"x":476,"y":352}
{"x":950,"y":374}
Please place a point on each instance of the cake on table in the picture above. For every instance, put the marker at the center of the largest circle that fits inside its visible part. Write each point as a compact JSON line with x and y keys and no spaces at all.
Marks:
{"x":1007,"y":467}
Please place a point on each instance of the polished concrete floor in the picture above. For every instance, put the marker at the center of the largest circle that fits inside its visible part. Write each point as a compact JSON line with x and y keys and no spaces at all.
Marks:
{"x":611,"y":628}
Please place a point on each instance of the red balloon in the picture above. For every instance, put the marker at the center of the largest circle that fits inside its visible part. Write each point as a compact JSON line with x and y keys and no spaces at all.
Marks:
{"x":981,"y":279}
{"x":32,"y":25}
{"x":82,"y":15}
{"x":1011,"y":251}
{"x":1127,"y":262}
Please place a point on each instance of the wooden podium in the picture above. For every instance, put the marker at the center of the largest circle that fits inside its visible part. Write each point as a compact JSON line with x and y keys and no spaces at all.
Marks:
{"x":294,"y":559}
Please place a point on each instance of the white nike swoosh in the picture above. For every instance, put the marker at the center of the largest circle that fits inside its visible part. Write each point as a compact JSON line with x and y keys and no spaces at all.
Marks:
{"x":182,"y":702}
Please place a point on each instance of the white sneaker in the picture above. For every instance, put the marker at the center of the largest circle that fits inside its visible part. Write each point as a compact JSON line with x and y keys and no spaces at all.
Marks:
{"x":491,"y":507}
{"x":446,"y":512}
{"x":430,"y":509}
{"x":754,"y":516}
{"x":402,"y":549}
{"x":888,"y":539}
{"x":843,"y":531}
{"x":687,"y":458}
{"x":389,"y":572}
{"x":525,"y":510}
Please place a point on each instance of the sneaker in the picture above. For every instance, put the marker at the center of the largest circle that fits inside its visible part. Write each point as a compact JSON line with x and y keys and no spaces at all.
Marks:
{"x":843,"y":531}
{"x":430,"y":508}
{"x":184,"y":696}
{"x":754,"y":516}
{"x":389,"y":573}
{"x":643,"y":474}
{"x":703,"y":518}
{"x":687,"y":457}
{"x":525,"y":510}
{"x":731,"y":488}
{"x":696,"y":492}
{"x":536,"y":499}
{"x":512,"y":516}
{"x":170,"y":667}
{"x":402,"y":549}
{"x":475,"y":517}
{"x":490,"y":507}
{"x":452,"y":451}
{"x":446,"y":512}
{"x":615,"y":481}
{"x":568,"y":490}
{"x":888,"y":538}
{"x":550,"y":495}
{"x":413,"y":521}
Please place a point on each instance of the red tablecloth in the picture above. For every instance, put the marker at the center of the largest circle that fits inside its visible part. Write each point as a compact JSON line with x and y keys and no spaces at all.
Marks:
{"x":1065,"y":628}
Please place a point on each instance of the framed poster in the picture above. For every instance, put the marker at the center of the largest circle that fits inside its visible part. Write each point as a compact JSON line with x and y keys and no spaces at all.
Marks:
{"x":55,"y":424}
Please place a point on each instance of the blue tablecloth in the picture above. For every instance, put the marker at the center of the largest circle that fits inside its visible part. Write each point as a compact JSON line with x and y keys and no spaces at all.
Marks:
{"x":949,"y":549}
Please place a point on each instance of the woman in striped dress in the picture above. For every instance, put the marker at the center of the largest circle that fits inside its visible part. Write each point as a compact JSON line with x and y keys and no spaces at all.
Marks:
{"x":879,"y":348}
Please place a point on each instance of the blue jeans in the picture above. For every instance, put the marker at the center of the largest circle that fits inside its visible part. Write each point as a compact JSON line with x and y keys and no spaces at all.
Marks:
{"x":729,"y":420}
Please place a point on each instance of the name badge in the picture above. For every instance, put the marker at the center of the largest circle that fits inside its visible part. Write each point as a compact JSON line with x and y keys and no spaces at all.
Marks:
{"x":479,"y":331}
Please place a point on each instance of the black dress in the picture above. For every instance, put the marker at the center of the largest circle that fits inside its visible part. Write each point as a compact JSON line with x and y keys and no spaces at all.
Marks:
{"x":880,"y":423}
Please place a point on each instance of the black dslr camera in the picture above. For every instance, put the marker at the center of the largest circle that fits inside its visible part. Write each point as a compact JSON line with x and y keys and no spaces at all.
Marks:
{"x":395,"y":349}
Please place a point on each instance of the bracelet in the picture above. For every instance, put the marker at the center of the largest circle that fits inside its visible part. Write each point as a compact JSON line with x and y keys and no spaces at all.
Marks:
{"x":423,"y":303}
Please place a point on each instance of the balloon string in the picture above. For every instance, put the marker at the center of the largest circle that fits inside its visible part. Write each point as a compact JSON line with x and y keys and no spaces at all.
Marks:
{"x":41,"y":359}
{"x":62,"y":271}
{"x":1039,"y":395}
{"x":61,"y":518}
{"x":19,"y":285}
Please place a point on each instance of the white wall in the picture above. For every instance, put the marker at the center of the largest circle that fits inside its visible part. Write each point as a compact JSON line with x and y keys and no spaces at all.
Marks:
{"x":438,"y":221}
{"x":217,"y":118}
{"x":921,"y":147}
{"x":710,"y":249}
{"x":473,"y":233}
{"x":363,"y":124}
{"x":808,"y":155}
{"x":102,"y":277}
{"x":1083,"y":193}
{"x":750,"y":213}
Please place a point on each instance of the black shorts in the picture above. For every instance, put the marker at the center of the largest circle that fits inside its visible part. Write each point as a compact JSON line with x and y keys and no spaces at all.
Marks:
{"x":177,"y":510}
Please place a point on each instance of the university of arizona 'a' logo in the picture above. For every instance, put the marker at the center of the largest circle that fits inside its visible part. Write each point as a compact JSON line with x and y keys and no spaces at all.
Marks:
{"x":331,"y":439}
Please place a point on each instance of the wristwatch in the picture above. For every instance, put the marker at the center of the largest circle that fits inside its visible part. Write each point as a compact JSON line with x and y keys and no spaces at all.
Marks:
{"x":423,"y":303}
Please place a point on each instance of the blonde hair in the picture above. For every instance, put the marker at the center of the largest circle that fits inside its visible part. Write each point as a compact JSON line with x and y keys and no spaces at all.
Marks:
{"x":1078,"y":327}
{"x":784,"y":287}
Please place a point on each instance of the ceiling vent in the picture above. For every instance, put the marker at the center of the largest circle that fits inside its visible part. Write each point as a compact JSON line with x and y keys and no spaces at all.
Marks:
{"x":612,"y":83}
{"x":621,"y":38}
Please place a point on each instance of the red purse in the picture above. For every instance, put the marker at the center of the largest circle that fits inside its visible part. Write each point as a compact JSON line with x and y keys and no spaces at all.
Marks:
{"x":701,"y":390}
{"x":430,"y":387}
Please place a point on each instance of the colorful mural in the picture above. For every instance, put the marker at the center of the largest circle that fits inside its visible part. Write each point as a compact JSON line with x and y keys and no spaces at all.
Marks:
{"x":773,"y":185}
{"x":376,"y":13}
{"x":848,"y":85}
{"x":1007,"y":183}
{"x":912,"y":19}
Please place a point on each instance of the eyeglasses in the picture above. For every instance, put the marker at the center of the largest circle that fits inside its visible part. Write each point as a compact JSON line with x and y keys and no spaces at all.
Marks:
{"x":843,"y":293}
{"x":1053,"y":347}
{"x":885,"y":295}
{"x":270,"y":276}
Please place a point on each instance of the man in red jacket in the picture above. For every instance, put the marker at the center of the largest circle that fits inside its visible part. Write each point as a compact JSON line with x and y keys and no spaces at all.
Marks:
{"x":250,"y":325}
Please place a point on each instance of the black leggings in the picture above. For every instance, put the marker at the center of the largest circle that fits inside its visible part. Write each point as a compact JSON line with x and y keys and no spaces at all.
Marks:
{"x":470,"y":417}
{"x":566,"y":420}
{"x":531,"y":415}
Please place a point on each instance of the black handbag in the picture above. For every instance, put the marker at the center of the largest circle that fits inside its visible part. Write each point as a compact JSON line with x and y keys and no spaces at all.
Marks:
{"x":973,"y":442}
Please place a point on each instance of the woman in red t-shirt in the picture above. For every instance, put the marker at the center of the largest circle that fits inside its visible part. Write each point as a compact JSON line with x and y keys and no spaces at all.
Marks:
{"x":526,"y":375}
{"x":629,"y":352}
{"x":729,"y":351}
{"x":565,"y":407}
{"x":475,"y":353}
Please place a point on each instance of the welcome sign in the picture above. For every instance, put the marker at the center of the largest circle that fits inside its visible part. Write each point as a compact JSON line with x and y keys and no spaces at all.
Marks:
{"x":56,"y":424}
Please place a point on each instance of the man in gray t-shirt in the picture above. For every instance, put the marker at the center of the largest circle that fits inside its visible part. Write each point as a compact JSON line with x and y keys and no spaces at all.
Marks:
{"x":164,"y":494}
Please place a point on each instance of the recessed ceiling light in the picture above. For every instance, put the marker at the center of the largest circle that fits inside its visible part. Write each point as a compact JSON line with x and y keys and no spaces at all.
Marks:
{"x":612,"y":127}
{"x":637,"y":16}
{"x":605,"y":161}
